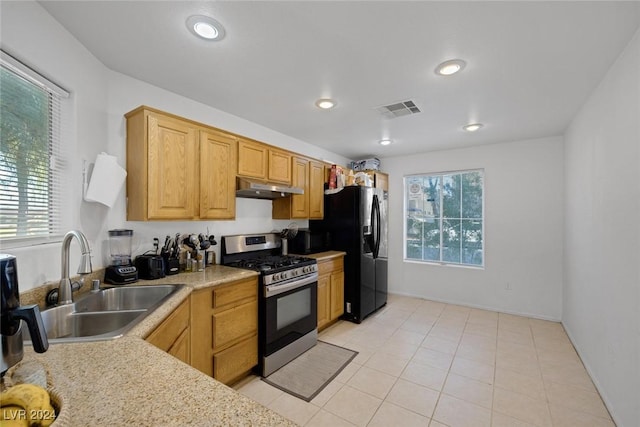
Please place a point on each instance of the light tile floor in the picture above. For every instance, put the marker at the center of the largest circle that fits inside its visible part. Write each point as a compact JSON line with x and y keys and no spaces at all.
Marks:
{"x":424,"y":363}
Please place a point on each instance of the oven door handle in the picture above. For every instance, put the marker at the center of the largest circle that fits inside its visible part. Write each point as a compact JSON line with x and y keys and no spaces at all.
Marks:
{"x":273,"y":290}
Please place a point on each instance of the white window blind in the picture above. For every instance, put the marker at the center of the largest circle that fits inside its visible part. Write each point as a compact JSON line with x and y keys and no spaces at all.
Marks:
{"x":31,"y":157}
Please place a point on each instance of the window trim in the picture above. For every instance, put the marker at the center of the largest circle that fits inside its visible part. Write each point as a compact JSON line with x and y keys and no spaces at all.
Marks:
{"x":404,"y":221}
{"x":31,"y":75}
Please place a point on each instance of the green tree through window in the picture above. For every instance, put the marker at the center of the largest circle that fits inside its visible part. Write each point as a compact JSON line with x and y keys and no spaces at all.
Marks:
{"x":27,"y":123}
{"x":444,"y":218}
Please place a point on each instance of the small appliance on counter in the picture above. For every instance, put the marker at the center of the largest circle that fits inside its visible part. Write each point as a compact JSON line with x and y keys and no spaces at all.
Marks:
{"x":121,"y":271}
{"x":150,"y":266}
{"x":12,"y":314}
{"x":310,"y":242}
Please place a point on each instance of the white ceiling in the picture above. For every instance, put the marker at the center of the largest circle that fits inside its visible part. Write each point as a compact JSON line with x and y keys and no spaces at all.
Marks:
{"x":530,"y":65}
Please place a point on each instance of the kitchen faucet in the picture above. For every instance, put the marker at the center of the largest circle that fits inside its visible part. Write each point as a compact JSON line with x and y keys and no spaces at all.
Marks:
{"x":65,"y":293}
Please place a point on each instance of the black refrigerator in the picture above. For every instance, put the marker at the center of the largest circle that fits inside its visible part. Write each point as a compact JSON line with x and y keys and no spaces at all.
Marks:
{"x":355,"y":219}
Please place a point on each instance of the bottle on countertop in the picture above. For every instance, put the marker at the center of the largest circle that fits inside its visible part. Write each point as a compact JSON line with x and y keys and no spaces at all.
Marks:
{"x":187,"y":266}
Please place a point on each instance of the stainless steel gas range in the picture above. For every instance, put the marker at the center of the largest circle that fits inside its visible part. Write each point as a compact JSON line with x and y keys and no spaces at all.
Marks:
{"x":287,"y":309}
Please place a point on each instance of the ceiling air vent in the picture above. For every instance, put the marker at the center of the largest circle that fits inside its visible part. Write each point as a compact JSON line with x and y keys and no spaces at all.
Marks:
{"x":398,"y":109}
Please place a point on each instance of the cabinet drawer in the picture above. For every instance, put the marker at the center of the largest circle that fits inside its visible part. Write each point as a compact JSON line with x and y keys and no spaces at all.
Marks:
{"x":234,"y":324}
{"x":165,"y":335}
{"x":229,"y":364}
{"x":334,"y":264}
{"x":234,"y":293}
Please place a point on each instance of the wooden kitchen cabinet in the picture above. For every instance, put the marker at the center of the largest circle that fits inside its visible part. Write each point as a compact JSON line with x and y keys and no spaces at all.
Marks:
{"x":279,"y":166}
{"x":330,"y":290}
{"x":308,"y":175}
{"x":316,"y":190}
{"x":252,"y":159}
{"x":300,"y":202}
{"x":178,"y":169}
{"x":379,"y":179}
{"x":162,"y":172}
{"x":324,"y":300}
{"x":224,"y":332}
{"x":217,"y":175}
{"x":256,"y":160}
{"x":337,"y":293}
{"x":173,"y":335}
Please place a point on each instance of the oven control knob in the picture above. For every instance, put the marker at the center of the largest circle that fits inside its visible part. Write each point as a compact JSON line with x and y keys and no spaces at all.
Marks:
{"x":275,"y":277}
{"x":283,"y":275}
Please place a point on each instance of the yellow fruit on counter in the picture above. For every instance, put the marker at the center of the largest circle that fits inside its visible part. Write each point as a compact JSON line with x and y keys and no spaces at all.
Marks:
{"x":32,"y":400}
{"x":14,"y":423}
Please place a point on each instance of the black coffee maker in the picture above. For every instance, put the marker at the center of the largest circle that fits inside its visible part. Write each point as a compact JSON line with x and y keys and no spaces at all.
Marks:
{"x":12,"y":314}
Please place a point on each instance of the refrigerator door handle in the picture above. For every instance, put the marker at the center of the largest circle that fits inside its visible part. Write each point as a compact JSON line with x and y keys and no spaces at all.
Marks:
{"x":375,"y":219}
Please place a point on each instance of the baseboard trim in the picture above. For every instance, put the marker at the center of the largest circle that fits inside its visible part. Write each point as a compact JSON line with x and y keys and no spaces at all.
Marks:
{"x":481,"y":307}
{"x":596,"y":383}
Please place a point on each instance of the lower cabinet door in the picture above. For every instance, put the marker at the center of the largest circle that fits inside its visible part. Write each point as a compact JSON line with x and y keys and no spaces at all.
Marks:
{"x":181,"y":348}
{"x":337,"y":294}
{"x":232,"y":324}
{"x":233,"y":362}
{"x":324,"y":300}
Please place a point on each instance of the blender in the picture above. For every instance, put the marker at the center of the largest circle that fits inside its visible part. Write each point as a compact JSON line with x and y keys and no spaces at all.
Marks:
{"x":121,"y":271}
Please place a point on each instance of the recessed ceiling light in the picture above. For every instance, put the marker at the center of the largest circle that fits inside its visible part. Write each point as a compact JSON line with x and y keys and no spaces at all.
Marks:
{"x":450,"y":67}
{"x":472,"y":127}
{"x":384,"y":142}
{"x":325,"y":103}
{"x":205,"y":27}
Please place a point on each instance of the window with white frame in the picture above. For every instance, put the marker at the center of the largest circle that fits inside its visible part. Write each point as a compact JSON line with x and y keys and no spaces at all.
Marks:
{"x":444,"y":218}
{"x":31,"y":158}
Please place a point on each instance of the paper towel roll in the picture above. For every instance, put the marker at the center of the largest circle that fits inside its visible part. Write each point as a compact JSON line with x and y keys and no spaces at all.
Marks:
{"x":106,"y":180}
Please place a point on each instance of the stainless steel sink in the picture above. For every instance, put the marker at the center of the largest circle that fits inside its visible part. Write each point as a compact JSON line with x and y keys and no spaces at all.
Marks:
{"x":124,"y":298}
{"x":103,"y":315}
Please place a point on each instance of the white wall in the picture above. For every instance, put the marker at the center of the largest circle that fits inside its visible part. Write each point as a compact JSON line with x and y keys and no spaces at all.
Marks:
{"x":30,"y":34}
{"x":601,"y":310}
{"x":100,"y":98}
{"x":523,"y":229}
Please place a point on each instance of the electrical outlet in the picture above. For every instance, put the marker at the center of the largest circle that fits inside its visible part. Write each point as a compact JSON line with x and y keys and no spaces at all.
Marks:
{"x":507,"y":286}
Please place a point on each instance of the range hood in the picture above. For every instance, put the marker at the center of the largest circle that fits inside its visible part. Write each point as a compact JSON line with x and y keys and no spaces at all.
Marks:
{"x":251,"y":189}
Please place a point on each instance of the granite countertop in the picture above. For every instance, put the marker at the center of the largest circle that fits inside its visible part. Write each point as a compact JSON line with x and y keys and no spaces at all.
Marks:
{"x":323,"y":256}
{"x":128,"y":381}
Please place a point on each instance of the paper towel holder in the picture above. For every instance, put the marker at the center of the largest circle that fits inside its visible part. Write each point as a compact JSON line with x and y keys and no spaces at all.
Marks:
{"x":85,"y":179}
{"x":106,"y":198}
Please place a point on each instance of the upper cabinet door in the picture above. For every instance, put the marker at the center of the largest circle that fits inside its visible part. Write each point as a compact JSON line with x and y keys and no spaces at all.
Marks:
{"x":300,"y":202}
{"x":316,"y":190}
{"x":252,"y":159}
{"x":217,"y":175}
{"x":172,"y":168}
{"x":279,"y":166}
